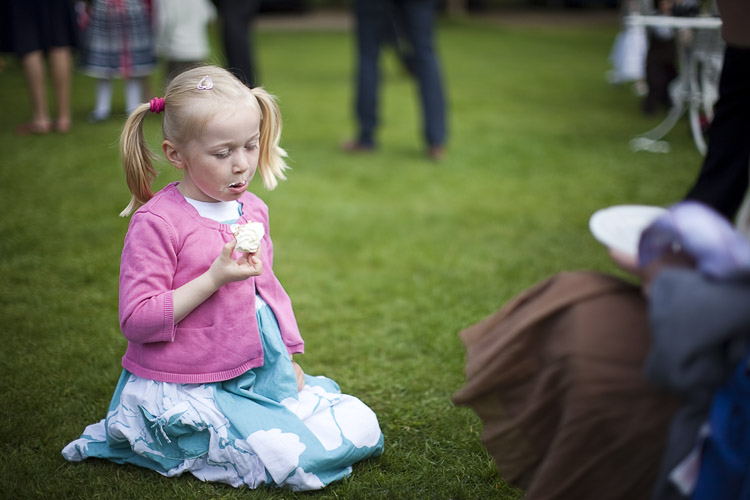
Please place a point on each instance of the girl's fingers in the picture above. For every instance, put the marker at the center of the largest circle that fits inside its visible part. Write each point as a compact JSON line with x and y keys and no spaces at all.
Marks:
{"x":229,"y":247}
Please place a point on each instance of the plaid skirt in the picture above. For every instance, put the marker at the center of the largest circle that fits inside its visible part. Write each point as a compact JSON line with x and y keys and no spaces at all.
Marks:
{"x":117,"y":40}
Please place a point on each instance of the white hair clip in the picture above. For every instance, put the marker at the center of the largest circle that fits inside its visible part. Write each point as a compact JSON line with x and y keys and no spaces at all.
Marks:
{"x":206,"y":83}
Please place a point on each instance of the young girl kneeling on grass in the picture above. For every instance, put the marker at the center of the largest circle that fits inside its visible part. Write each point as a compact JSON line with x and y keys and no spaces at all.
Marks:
{"x":208,"y":384}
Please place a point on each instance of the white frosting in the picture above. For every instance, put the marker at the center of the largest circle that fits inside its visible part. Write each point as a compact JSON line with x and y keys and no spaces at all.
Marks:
{"x":248,"y":236}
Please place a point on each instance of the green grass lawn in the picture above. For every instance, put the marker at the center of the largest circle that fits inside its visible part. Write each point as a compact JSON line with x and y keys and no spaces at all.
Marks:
{"x":386,"y":256}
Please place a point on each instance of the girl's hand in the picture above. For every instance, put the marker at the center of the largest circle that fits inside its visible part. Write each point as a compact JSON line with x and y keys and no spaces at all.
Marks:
{"x":225,"y":269}
{"x":300,"y":376}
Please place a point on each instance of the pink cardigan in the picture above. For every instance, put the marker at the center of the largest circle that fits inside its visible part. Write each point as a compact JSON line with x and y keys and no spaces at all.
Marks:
{"x":167,"y":245}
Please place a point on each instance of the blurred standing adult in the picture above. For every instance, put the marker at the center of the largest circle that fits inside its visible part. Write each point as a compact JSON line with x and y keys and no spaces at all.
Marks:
{"x":41,"y":32}
{"x":723,"y":180}
{"x":374,"y":23}
{"x":237,"y":18}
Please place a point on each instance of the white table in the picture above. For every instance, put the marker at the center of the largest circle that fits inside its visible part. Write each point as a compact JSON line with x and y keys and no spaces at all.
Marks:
{"x":700,"y":56}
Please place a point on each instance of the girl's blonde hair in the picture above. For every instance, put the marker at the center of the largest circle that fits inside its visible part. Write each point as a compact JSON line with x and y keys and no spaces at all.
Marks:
{"x":187,"y":111}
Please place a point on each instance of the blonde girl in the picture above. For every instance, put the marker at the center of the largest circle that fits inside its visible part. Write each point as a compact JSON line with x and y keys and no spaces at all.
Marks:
{"x":208,"y":383}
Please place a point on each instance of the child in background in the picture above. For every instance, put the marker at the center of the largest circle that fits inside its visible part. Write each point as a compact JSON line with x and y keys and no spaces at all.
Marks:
{"x":628,"y":55}
{"x":117,"y":42}
{"x":182,"y":33}
{"x":661,"y":62}
{"x":209,"y":385}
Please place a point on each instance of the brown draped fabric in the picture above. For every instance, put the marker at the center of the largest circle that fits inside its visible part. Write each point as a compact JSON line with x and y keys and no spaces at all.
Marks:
{"x":556,"y":377}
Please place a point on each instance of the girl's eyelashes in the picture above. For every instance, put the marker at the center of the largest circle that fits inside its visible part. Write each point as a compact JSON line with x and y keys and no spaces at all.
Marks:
{"x":226,"y":153}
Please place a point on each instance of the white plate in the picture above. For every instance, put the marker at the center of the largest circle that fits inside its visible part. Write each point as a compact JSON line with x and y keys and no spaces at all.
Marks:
{"x":620,"y":226}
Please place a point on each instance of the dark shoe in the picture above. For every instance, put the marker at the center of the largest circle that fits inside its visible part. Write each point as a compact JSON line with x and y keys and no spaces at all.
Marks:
{"x":436,"y":153}
{"x":357,"y":147}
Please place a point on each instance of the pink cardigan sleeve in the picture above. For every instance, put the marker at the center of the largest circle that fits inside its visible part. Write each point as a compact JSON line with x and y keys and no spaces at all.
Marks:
{"x":147,"y":270}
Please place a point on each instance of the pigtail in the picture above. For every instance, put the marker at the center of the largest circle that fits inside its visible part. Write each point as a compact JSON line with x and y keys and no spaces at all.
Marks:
{"x":271,"y":156}
{"x":137,"y":160}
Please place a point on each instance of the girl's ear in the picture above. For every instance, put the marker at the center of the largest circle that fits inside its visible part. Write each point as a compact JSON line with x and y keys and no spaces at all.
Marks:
{"x":173,"y":156}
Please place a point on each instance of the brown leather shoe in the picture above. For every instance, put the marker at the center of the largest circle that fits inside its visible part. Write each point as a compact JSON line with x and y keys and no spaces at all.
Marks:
{"x":436,"y":153}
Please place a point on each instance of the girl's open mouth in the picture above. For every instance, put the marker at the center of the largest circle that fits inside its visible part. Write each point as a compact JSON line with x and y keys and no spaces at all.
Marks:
{"x":238,"y":187}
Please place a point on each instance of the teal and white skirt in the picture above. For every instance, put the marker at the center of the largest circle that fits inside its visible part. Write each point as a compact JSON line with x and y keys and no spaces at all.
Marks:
{"x":247,"y":431}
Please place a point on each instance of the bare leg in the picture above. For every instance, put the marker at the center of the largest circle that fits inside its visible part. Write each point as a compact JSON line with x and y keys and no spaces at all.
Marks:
{"x":34,"y":71}
{"x":61,"y":66}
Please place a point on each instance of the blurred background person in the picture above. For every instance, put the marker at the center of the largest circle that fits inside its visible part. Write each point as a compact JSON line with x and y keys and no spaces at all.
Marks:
{"x":117,"y":42}
{"x":723,"y":180}
{"x":237,"y":20}
{"x":661,"y":62}
{"x":415,"y":20}
{"x":628,"y":54}
{"x":181,"y":29}
{"x":42,"y":32}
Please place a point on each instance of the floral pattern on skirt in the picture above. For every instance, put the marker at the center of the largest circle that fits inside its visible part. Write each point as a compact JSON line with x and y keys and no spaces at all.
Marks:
{"x":248,"y":431}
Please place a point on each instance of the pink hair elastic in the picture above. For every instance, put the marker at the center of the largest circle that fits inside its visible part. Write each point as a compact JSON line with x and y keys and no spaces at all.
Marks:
{"x":157,"y":105}
{"x":205,"y":83}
